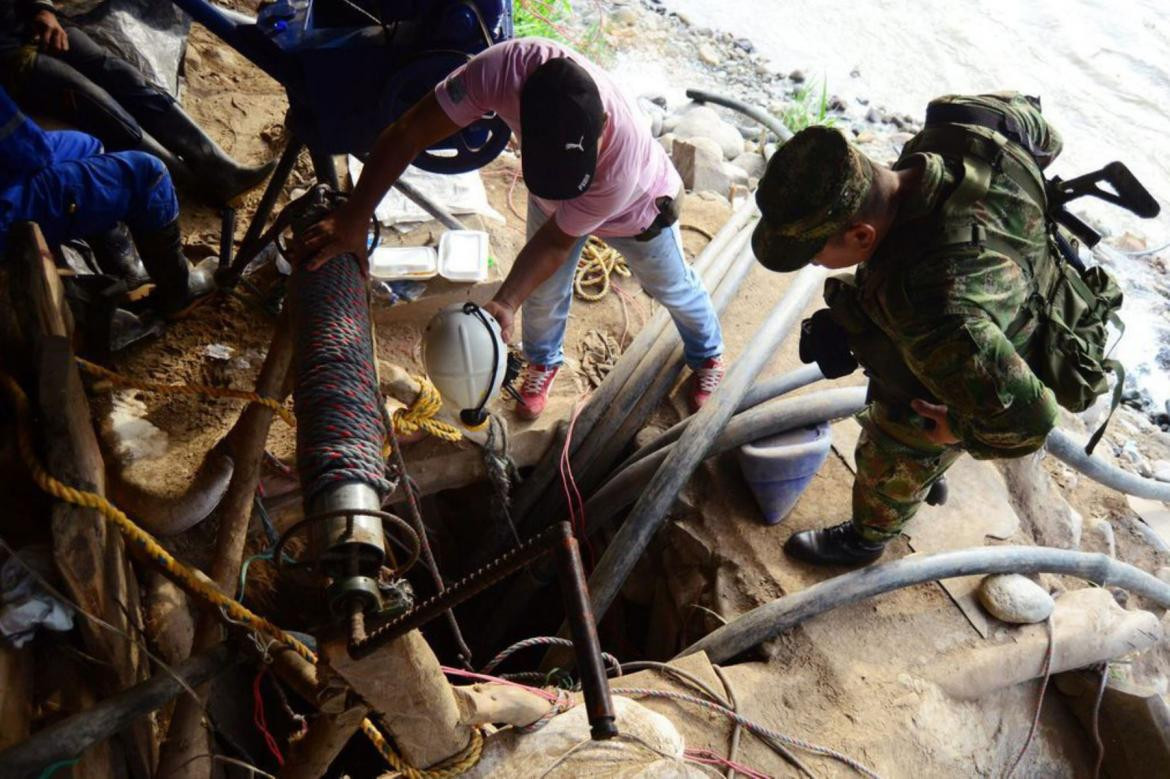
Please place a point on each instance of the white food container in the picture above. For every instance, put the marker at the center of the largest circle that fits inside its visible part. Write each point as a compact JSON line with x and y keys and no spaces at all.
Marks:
{"x":394,"y":263}
{"x":463,"y":255}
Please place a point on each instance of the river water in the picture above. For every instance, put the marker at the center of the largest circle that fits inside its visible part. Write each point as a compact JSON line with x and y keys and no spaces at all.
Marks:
{"x":1101,"y":68}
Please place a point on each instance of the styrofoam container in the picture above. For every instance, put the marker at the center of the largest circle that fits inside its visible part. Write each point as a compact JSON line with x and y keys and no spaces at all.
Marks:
{"x":393,"y":263}
{"x":463,"y":255}
{"x":779,"y":468}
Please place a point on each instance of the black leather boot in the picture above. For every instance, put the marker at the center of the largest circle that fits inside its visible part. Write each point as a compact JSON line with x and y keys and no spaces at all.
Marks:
{"x":938,"y":493}
{"x":176,"y":285}
{"x":836,"y":545}
{"x":220,"y":179}
{"x":116,"y":256}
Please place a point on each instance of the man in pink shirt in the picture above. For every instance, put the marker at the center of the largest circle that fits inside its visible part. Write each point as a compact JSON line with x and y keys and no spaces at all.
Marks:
{"x":591,"y":168}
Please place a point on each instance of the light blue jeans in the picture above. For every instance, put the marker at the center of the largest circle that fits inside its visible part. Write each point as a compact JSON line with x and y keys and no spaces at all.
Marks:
{"x":661,"y":269}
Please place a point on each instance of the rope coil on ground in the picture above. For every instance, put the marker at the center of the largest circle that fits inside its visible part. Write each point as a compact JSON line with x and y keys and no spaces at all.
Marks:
{"x":119,"y":380}
{"x":194,"y":582}
{"x":598,"y":263}
{"x":420,"y":415}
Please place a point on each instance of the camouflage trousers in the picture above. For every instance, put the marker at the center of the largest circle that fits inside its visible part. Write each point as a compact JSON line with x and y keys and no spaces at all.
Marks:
{"x":896,"y":466}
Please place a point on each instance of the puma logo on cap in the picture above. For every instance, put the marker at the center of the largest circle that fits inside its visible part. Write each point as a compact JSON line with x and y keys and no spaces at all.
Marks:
{"x":579,"y":145}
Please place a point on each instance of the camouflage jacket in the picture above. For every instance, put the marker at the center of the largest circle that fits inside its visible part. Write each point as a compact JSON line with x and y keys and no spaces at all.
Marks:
{"x":949,"y":309}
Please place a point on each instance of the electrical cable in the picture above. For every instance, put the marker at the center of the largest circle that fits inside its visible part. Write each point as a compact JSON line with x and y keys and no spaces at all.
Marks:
{"x":1097,"y":720}
{"x":1040,"y":699}
{"x":752,"y":727}
{"x":543,"y":641}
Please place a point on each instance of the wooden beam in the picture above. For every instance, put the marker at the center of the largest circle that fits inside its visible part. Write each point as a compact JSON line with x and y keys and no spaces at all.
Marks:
{"x":89,"y":553}
{"x":72,"y":736}
{"x":185,"y":753}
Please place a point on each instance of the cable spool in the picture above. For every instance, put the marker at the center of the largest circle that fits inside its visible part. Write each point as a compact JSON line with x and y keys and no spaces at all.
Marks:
{"x":340,"y":419}
{"x":466,"y":359}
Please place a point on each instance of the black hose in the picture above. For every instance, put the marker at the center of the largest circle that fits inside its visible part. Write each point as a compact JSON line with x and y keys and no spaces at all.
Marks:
{"x":648,"y":513}
{"x":769,"y":418}
{"x":649,"y":384}
{"x":764,"y":391}
{"x":771,"y":619}
{"x":763,"y":117}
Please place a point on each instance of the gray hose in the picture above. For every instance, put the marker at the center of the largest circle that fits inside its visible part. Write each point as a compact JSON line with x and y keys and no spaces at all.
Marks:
{"x":771,"y":619}
{"x":423,"y":201}
{"x":764,"y":391}
{"x":1059,"y":444}
{"x":648,"y":513}
{"x":538,"y":482}
{"x":763,"y":117}
{"x":1062,"y":446}
{"x":766,"y":419}
{"x":650,"y":383}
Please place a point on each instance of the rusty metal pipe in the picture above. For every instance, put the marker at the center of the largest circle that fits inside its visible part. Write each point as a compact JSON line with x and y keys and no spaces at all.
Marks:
{"x":583,"y":629}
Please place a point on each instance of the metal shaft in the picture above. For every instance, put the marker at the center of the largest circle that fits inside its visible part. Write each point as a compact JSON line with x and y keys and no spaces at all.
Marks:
{"x":583,"y":629}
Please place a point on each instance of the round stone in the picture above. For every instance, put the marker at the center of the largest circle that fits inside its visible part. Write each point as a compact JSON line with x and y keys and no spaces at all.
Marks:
{"x":1014,"y":598}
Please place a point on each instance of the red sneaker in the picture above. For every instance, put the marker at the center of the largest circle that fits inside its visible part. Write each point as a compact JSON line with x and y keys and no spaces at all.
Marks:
{"x":703,"y":383}
{"x":534,"y":388}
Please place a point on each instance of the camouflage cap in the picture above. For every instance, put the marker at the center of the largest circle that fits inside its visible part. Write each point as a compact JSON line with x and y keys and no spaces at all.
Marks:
{"x":813,"y":186}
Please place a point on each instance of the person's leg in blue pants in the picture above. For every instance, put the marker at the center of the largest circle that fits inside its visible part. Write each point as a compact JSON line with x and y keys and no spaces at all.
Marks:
{"x":661,"y":269}
{"x":85,"y":192}
{"x":546,"y":311}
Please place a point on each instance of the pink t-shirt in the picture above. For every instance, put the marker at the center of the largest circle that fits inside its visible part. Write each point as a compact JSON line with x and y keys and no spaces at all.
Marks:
{"x":632,"y":168}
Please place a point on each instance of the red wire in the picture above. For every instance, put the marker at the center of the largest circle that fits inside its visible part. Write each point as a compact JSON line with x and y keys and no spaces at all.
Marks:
{"x":707,"y":757}
{"x":569,"y":486}
{"x":259,"y":720}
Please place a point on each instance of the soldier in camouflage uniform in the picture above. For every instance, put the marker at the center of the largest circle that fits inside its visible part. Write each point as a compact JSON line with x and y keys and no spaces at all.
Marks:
{"x":936,"y":311}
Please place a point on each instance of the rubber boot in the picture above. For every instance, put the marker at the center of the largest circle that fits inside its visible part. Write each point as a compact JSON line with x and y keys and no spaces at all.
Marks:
{"x":176,"y":286}
{"x":221,"y":179}
{"x":836,"y":545}
{"x":116,"y":256}
{"x":104,"y":327}
{"x":180,"y":173}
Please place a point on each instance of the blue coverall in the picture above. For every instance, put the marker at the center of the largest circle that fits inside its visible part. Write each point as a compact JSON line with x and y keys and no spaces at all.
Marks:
{"x":65,"y":183}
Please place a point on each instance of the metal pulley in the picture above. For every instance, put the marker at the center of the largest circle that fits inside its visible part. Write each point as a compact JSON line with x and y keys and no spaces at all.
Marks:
{"x":466,"y":359}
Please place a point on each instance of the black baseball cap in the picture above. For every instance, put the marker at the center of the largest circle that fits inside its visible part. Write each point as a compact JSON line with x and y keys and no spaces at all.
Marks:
{"x":561,"y":118}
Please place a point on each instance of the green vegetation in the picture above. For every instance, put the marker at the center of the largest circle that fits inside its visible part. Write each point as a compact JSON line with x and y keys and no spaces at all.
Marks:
{"x":553,"y":19}
{"x":807,"y":109}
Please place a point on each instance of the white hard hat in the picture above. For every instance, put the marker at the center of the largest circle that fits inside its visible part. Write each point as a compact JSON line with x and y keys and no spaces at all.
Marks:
{"x":466,"y":359}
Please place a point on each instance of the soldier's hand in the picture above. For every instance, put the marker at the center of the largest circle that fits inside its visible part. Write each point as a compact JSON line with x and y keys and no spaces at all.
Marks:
{"x":338,"y":233}
{"x":936,"y":412}
{"x":49,"y":33}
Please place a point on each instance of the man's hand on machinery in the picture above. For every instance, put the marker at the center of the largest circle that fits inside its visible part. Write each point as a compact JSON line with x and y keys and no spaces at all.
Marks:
{"x":48,"y":32}
{"x":504,"y":314}
{"x":338,"y":233}
{"x":936,"y":412}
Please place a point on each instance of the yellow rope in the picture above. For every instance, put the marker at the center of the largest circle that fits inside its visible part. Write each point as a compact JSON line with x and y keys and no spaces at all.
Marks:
{"x":194,"y":582}
{"x":186,"y":389}
{"x":420,"y":415}
{"x":598,"y":263}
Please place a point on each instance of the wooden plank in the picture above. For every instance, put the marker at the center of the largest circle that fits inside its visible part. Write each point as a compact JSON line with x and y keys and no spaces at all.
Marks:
{"x":89,"y":554}
{"x":184,"y":752}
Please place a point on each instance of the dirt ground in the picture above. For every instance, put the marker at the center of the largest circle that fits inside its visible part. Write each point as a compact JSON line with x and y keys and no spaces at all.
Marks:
{"x":842,"y":680}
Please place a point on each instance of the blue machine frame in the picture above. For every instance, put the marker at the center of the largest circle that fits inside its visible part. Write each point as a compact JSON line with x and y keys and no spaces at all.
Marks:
{"x":350,"y":69}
